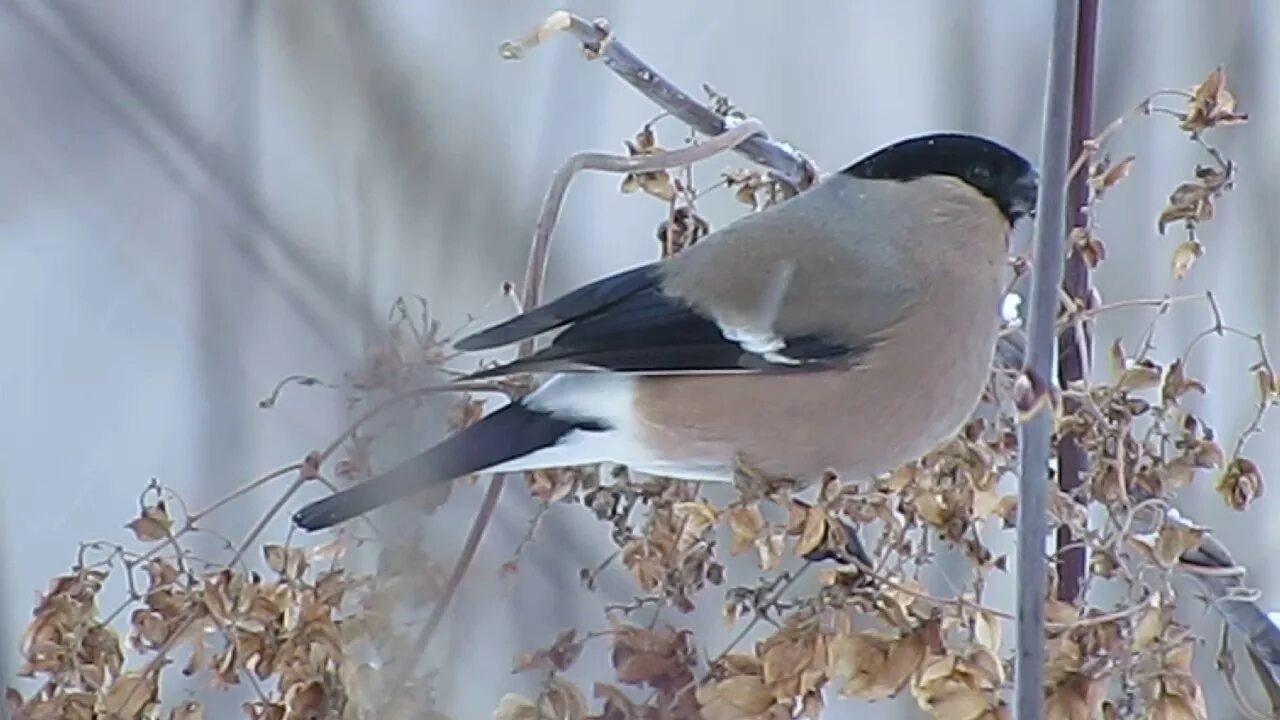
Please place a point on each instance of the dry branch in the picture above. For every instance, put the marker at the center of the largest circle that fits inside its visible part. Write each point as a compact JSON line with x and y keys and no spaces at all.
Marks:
{"x":599,"y":42}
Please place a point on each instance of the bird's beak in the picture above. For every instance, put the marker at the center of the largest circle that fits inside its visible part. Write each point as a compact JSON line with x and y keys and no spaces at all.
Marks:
{"x":1026,"y":190}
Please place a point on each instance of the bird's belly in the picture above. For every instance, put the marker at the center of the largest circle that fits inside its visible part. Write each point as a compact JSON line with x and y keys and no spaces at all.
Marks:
{"x":857,"y":422}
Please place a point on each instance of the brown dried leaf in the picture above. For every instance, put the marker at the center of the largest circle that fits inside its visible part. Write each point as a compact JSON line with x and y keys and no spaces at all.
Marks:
{"x":1211,"y":104}
{"x":957,"y":703}
{"x":1268,"y":385}
{"x":658,"y":184}
{"x":681,"y":230}
{"x":904,"y":658}
{"x":630,"y":184}
{"x":852,"y":659}
{"x":1189,"y":201}
{"x":1090,"y":247}
{"x":1151,"y":623}
{"x":1007,"y":510}
{"x":168,"y":601}
{"x":813,"y":532}
{"x":873,"y":665}
{"x":617,"y":706}
{"x":644,"y":143}
{"x":152,"y":524}
{"x":1079,"y":698}
{"x":149,"y":629}
{"x":642,"y":656}
{"x":1176,"y":384}
{"x":189,"y":710}
{"x":1207,"y":454}
{"x":1119,"y":362}
{"x":562,"y":700}
{"x":332,"y":549}
{"x":1105,"y":176}
{"x":932,"y":507}
{"x":515,"y":707}
{"x":1176,"y":474}
{"x":560,"y":656}
{"x":263,"y":711}
{"x":550,"y":485}
{"x":1241,"y":484}
{"x":307,"y":700}
{"x":986,"y":630}
{"x":956,"y":686}
{"x":1172,"y":707}
{"x":986,"y":503}
{"x":1134,"y":374}
{"x":747,"y":524}
{"x":466,"y":412}
{"x":160,"y":572}
{"x":735,"y":698}
{"x":1167,"y":545}
{"x":1064,"y":657}
{"x":128,"y":697}
{"x":287,"y":562}
{"x":749,"y":186}
{"x":770,"y":548}
{"x":693,"y":518}
{"x":794,"y":660}
{"x":1184,"y":256}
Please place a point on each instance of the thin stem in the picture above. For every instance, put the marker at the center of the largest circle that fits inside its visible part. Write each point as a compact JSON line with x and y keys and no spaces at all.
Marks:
{"x":407,"y":395}
{"x":266,"y":519}
{"x":540,"y":250}
{"x":599,"y":42}
{"x":244,"y":490}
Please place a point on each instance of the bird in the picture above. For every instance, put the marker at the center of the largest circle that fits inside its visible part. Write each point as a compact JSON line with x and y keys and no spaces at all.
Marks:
{"x":848,"y":329}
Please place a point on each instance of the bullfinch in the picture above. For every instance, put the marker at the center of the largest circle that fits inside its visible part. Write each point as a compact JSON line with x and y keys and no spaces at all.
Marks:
{"x":848,"y":329}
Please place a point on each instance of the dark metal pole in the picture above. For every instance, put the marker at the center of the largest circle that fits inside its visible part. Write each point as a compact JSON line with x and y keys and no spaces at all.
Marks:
{"x":1033,"y":484}
{"x":1074,"y":352}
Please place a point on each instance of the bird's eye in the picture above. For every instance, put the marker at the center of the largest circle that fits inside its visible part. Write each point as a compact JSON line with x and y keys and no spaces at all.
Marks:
{"x":979,"y":173}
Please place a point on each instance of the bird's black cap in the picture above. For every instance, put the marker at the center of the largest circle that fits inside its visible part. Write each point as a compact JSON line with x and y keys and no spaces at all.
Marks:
{"x":993,"y":169}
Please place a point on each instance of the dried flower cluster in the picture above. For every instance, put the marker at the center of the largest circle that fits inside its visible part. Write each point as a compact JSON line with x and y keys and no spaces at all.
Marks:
{"x":844,"y":619}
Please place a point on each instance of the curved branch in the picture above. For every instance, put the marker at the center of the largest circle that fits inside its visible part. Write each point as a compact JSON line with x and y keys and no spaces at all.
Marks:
{"x":598,"y":41}
{"x":540,"y":249}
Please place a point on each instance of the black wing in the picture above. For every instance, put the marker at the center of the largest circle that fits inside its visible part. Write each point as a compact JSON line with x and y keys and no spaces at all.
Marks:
{"x":626,"y":323}
{"x":586,"y":300}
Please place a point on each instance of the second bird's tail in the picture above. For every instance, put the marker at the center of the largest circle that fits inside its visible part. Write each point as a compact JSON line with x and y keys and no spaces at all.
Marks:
{"x":509,"y":433}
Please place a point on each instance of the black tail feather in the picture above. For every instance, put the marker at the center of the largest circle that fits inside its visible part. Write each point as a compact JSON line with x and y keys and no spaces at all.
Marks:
{"x":506,"y":434}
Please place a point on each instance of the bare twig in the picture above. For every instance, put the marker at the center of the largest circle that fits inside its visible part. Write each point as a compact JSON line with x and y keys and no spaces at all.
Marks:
{"x":598,"y":41}
{"x":466,"y":386}
{"x":540,"y":250}
{"x":478,"y":526}
{"x":1033,"y":517}
{"x":244,"y":490}
{"x":265,"y":520}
